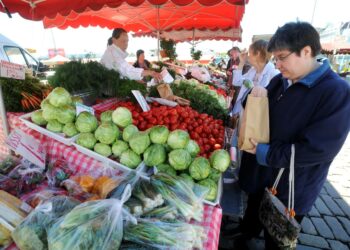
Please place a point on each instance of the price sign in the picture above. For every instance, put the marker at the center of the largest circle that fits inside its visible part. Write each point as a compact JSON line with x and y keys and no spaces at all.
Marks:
{"x":141,"y":100}
{"x":81,"y":108}
{"x":27,"y":146}
{"x":167,"y":78}
{"x":12,"y":70}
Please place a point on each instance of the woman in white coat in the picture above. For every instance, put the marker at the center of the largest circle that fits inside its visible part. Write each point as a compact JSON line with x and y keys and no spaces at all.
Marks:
{"x":260,"y":74}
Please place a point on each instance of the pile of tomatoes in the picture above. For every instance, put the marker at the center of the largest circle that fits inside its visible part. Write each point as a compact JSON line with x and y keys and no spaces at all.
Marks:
{"x":203,"y":128}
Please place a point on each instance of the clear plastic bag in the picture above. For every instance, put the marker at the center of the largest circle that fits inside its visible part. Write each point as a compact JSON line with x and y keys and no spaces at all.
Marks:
{"x":31,"y":234}
{"x":177,"y":193}
{"x":93,"y":225}
{"x":41,"y":195}
{"x":7,"y":163}
{"x":57,"y":172}
{"x":165,"y":235}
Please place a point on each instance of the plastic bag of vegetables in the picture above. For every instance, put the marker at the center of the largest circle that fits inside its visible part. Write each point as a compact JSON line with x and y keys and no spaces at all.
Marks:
{"x":93,"y":225}
{"x":178,"y":193}
{"x":165,"y":235}
{"x":31,"y":234}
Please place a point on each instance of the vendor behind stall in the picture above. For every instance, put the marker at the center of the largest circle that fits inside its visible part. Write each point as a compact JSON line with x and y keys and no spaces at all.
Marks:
{"x":141,"y":62}
{"x":115,"y":54}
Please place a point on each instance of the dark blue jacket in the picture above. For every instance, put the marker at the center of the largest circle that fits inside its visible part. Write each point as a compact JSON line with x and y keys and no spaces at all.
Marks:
{"x":314,"y":114}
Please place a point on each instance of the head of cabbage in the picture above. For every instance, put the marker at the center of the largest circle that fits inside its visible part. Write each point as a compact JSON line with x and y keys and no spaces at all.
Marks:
{"x":66,"y":114}
{"x":193,"y":148}
{"x":107,"y":132}
{"x":103,"y":149}
{"x":154,"y":155}
{"x":59,"y":97}
{"x":106,"y":116}
{"x":139,"y":142}
{"x":86,"y":140}
{"x":119,"y":147}
{"x":200,"y":168}
{"x":159,"y":134}
{"x":70,"y":130}
{"x":122,"y":117}
{"x":166,"y":168}
{"x":179,"y":159}
{"x":130,"y":159}
{"x":54,"y":126}
{"x":212,"y":188}
{"x":50,"y":112}
{"x":220,"y":160}
{"x":129,"y":131}
{"x":37,"y":118}
{"x":178,"y":139}
{"x":86,"y":122}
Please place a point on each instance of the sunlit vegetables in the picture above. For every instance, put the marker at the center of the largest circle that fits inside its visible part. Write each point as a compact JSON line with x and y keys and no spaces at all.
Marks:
{"x":107,"y":132}
{"x":54,"y":126}
{"x":86,"y":122}
{"x":154,"y":155}
{"x":179,"y":159}
{"x":130,"y":159}
{"x":70,"y":130}
{"x":37,"y":118}
{"x":139,"y":142}
{"x":103,"y":149}
{"x":59,"y":97}
{"x":178,"y":139}
{"x":220,"y":160}
{"x":199,"y":168}
{"x":66,"y":114}
{"x":129,"y":131}
{"x":86,"y":140}
{"x":119,"y":147}
{"x":159,"y":134}
{"x":193,"y":148}
{"x":122,"y":117}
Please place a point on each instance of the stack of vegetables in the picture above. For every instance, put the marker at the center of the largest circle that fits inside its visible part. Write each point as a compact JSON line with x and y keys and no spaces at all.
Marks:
{"x":57,"y":112}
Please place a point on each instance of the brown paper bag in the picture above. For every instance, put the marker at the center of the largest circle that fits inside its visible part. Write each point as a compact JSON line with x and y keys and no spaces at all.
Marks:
{"x":255,"y":123}
{"x":164,"y":90}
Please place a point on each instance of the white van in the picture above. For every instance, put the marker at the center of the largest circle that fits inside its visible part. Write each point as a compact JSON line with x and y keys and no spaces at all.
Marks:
{"x":12,"y":52}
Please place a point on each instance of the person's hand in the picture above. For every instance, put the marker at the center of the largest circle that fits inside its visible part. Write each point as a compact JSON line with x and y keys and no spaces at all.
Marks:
{"x":157,"y":76}
{"x":253,"y":150}
{"x":259,"y":91}
{"x":229,"y":73}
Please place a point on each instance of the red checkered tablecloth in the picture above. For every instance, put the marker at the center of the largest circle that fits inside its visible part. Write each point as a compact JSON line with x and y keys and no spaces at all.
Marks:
{"x":84,"y":164}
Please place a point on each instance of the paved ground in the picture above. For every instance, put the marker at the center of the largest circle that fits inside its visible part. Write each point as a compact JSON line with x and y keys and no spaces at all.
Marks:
{"x":327,"y":226}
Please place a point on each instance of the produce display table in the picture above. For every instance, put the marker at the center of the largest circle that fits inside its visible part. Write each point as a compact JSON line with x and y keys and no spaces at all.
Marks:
{"x":84,"y":164}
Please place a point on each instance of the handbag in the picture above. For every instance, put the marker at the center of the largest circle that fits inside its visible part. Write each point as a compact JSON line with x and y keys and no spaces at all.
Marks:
{"x":278,"y":220}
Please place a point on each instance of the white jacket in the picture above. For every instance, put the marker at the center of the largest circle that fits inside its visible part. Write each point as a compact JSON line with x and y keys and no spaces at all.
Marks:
{"x":263,"y":80}
{"x":114,"y":58}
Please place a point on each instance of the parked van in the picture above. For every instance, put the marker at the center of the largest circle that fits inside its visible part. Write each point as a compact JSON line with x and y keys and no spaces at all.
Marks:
{"x":12,"y":52}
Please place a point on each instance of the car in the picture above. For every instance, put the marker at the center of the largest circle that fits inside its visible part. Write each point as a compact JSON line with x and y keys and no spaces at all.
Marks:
{"x":12,"y":52}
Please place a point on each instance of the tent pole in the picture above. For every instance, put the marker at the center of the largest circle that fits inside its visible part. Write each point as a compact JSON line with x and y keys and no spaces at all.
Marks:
{"x":158,"y":33}
{"x":5,"y":126}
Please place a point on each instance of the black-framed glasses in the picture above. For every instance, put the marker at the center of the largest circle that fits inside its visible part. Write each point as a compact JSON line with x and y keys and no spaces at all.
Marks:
{"x":281,"y":58}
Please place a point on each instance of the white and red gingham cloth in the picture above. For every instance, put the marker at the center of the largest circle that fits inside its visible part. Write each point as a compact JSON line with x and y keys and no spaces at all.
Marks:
{"x":84,"y":164}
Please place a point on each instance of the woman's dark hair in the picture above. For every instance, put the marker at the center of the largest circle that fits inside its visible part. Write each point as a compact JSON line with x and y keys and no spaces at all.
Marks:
{"x":260,"y":46}
{"x":233,"y":48}
{"x":115,"y":34}
{"x":295,"y":36}
{"x":139,"y":53}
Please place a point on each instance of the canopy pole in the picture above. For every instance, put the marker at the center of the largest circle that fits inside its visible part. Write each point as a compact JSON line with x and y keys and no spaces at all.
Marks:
{"x":5,"y":126}
{"x":158,"y":33}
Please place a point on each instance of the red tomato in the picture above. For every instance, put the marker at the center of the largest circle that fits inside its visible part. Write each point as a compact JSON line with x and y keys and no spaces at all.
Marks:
{"x":198,"y":129}
{"x":173,"y":119}
{"x":217,"y":146}
{"x":207,"y":147}
{"x":212,"y":141}
{"x":190,"y":128}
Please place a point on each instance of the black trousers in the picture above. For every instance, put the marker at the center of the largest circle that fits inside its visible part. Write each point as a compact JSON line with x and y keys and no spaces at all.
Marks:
{"x":251,"y":225}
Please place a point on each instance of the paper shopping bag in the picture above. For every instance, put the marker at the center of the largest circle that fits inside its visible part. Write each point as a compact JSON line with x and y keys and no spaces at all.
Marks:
{"x":164,"y":90}
{"x":255,"y":122}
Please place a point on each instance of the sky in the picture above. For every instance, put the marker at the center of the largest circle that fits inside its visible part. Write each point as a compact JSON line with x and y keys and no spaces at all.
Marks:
{"x":260,"y":17}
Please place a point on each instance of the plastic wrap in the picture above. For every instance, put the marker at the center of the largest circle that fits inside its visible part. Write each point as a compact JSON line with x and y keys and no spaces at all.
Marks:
{"x":31,"y":234}
{"x":93,"y":225}
{"x":57,"y":172}
{"x":41,"y":195}
{"x":7,"y":163}
{"x":165,"y":235}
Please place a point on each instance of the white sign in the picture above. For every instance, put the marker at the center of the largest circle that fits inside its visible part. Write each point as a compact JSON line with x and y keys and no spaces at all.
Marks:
{"x":27,"y":146}
{"x":81,"y":108}
{"x":141,"y":100}
{"x":12,"y":70}
{"x":167,"y":78}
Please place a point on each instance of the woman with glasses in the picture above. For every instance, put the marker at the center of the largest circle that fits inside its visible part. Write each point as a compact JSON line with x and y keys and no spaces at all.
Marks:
{"x":309,"y":106}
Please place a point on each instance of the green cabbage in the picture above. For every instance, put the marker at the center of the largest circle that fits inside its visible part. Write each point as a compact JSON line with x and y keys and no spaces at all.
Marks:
{"x":122,"y":117}
{"x":103,"y":149}
{"x":37,"y":118}
{"x":86,"y":140}
{"x":220,"y":160}
{"x":50,"y":112}
{"x":130,"y":159}
{"x":193,"y":148}
{"x":129,"y":131}
{"x":107,"y":133}
{"x":200,"y":168}
{"x":178,"y":139}
{"x":212,"y":188}
{"x":44,"y":103}
{"x":154,"y":155}
{"x":166,"y":168}
{"x":59,"y":97}
{"x":70,"y":130}
{"x":119,"y":147}
{"x":179,"y":159}
{"x":214,"y":174}
{"x":66,"y":114}
{"x":86,"y":122}
{"x":54,"y":126}
{"x":139,"y":142}
{"x":159,"y":134}
{"x":106,"y":116}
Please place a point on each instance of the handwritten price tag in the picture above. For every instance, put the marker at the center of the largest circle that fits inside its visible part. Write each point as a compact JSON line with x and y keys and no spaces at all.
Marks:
{"x":12,"y":70}
{"x":27,"y":146}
